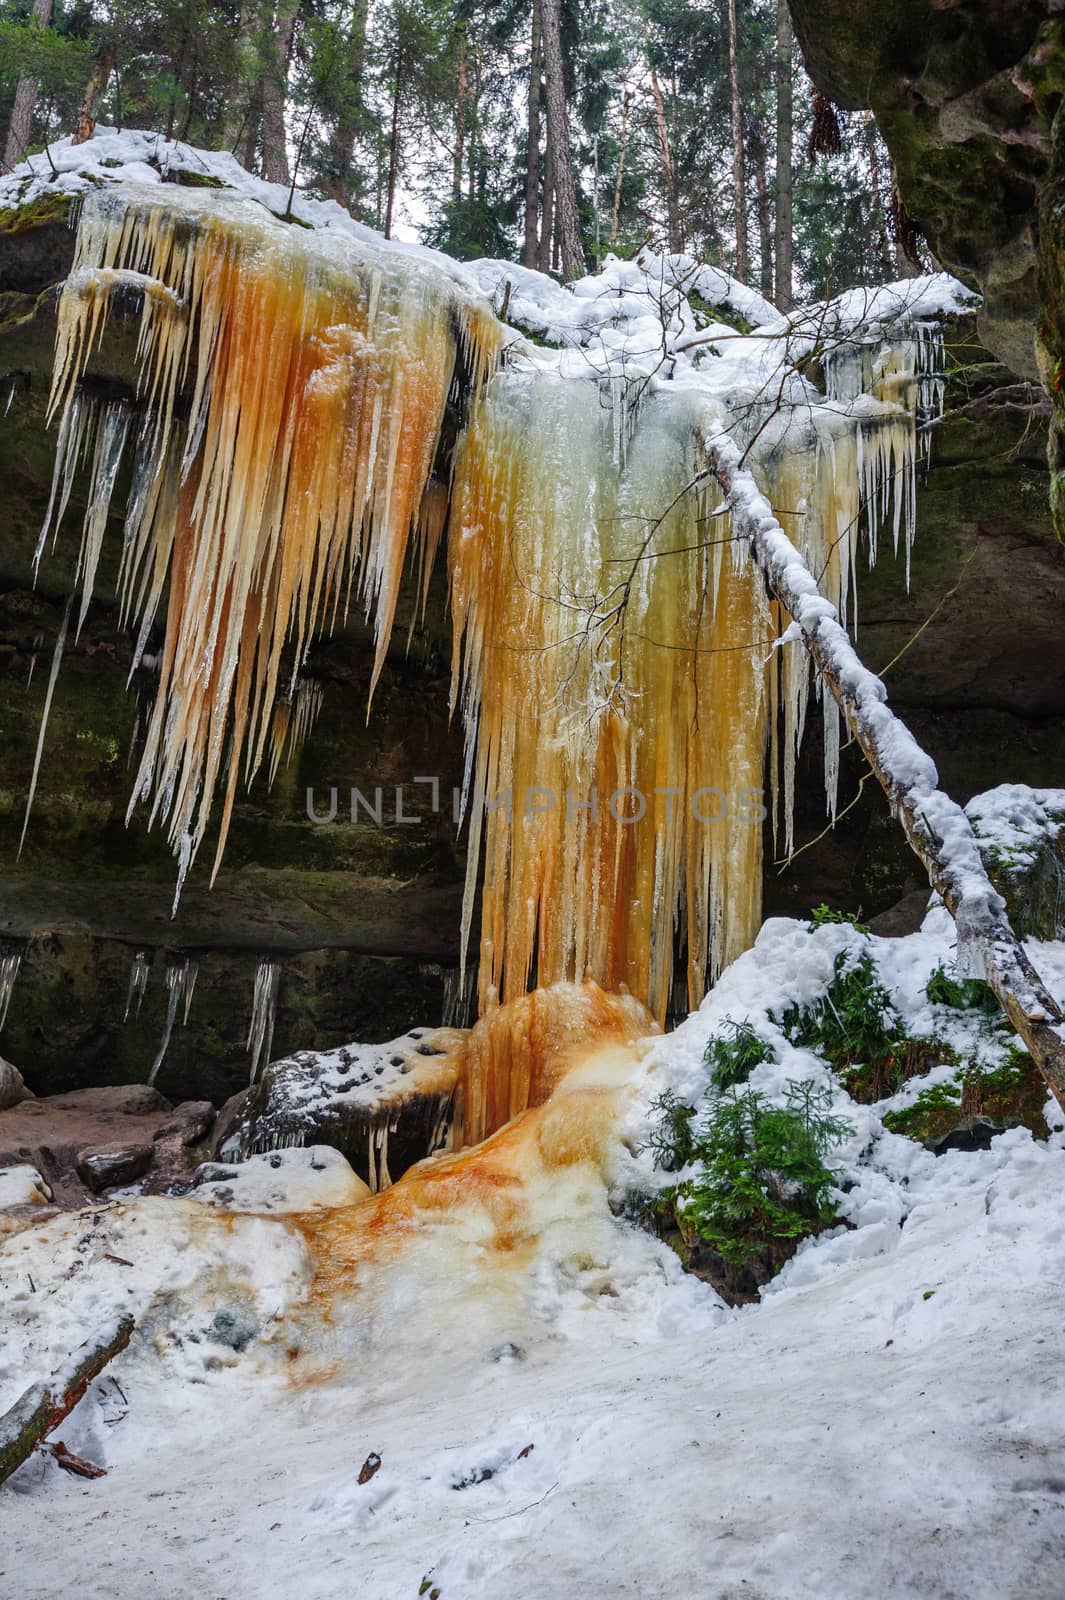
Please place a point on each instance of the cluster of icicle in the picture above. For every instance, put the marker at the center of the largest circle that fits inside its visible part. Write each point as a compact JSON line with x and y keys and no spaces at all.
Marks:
{"x":614,"y":651}
{"x":291,"y":394}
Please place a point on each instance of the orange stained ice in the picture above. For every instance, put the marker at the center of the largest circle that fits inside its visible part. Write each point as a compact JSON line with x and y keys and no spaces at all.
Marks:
{"x":613,"y":655}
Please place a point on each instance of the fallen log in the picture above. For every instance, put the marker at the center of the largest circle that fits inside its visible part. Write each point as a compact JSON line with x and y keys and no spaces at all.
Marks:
{"x":935,"y":825}
{"x":45,"y":1404}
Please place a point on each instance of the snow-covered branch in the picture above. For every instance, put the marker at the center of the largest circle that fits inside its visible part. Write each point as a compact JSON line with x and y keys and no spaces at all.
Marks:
{"x":935,"y":825}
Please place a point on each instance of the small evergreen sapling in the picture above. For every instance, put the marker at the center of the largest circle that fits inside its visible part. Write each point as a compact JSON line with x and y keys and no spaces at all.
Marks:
{"x":763,"y":1182}
{"x":733,"y":1059}
{"x":855,"y":1028}
{"x":671,"y":1139}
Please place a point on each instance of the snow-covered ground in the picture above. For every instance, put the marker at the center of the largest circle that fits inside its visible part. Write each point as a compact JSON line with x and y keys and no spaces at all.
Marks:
{"x":894,"y":1429}
{"x":890,"y":1421}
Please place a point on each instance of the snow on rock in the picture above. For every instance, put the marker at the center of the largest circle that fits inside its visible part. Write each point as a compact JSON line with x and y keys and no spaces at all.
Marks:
{"x":172,"y":1263}
{"x":22,"y":1186}
{"x":314,"y":1178}
{"x":1016,"y":821}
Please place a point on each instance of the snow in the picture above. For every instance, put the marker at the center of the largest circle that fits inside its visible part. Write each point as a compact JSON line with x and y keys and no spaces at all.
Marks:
{"x":633,"y":319}
{"x":584,"y":1419}
{"x":22,"y":1186}
{"x":312,"y":1178}
{"x":1016,"y":821}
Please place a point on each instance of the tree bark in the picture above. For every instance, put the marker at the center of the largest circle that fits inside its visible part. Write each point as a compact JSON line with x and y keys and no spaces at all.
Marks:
{"x":393,"y":143}
{"x":44,"y":1405}
{"x":936,"y":827}
{"x":784,"y":293}
{"x":739,"y":182}
{"x":274,"y":82}
{"x":883,"y":242}
{"x":547,"y":213}
{"x":338,"y":185}
{"x":99,"y":78}
{"x":565,"y":189}
{"x":762,"y":211}
{"x":665,"y":161}
{"x":623,"y":143}
{"x":461,"y":96}
{"x":20,"y":127}
{"x":532,"y":154}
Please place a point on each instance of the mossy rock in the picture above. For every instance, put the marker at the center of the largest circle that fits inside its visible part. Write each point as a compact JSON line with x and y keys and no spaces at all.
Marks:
{"x":1010,"y":1096}
{"x":1021,"y":835}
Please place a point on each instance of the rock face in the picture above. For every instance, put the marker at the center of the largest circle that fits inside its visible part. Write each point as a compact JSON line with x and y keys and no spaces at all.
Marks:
{"x":964,"y":94}
{"x":971,"y":652}
{"x":967,"y":94}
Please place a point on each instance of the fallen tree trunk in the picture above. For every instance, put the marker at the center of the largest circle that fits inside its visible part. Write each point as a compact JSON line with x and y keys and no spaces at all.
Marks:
{"x":45,"y":1404}
{"x":935,"y":825}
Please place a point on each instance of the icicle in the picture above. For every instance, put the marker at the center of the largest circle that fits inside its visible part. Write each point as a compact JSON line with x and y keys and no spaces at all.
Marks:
{"x":263,"y":1009}
{"x":458,"y":998}
{"x":138,"y":983}
{"x":38,"y":640}
{"x":294,"y":718}
{"x":10,"y":962}
{"x":657,"y":710}
{"x":57,"y":657}
{"x":180,"y":982}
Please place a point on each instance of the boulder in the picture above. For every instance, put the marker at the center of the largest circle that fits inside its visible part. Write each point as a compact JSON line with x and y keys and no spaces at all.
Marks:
{"x":111,"y":1165}
{"x":1021,"y":834}
{"x":383,"y":1106}
{"x":192,"y":1121}
{"x":313,"y":1178}
{"x":112,"y":1099}
{"x":12,"y":1089}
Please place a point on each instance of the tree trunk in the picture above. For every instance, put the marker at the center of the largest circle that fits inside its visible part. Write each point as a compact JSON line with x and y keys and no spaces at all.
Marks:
{"x":547,"y":215}
{"x":568,"y":228}
{"x":461,"y":96}
{"x":623,"y":142}
{"x":338,"y":184}
{"x":253,"y":128}
{"x":274,"y":83}
{"x":880,"y":203}
{"x":739,"y":182}
{"x":44,"y":1406}
{"x":20,"y":127}
{"x":99,"y":78}
{"x":936,"y":827}
{"x":784,"y":294}
{"x":665,"y":160}
{"x":762,"y":211}
{"x":532,"y":153}
{"x":393,"y":143}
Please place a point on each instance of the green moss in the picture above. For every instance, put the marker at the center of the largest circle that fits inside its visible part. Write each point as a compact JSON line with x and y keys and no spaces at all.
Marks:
{"x":1012,"y":1095}
{"x":706,"y":311}
{"x":194,"y":180}
{"x":48,"y":207}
